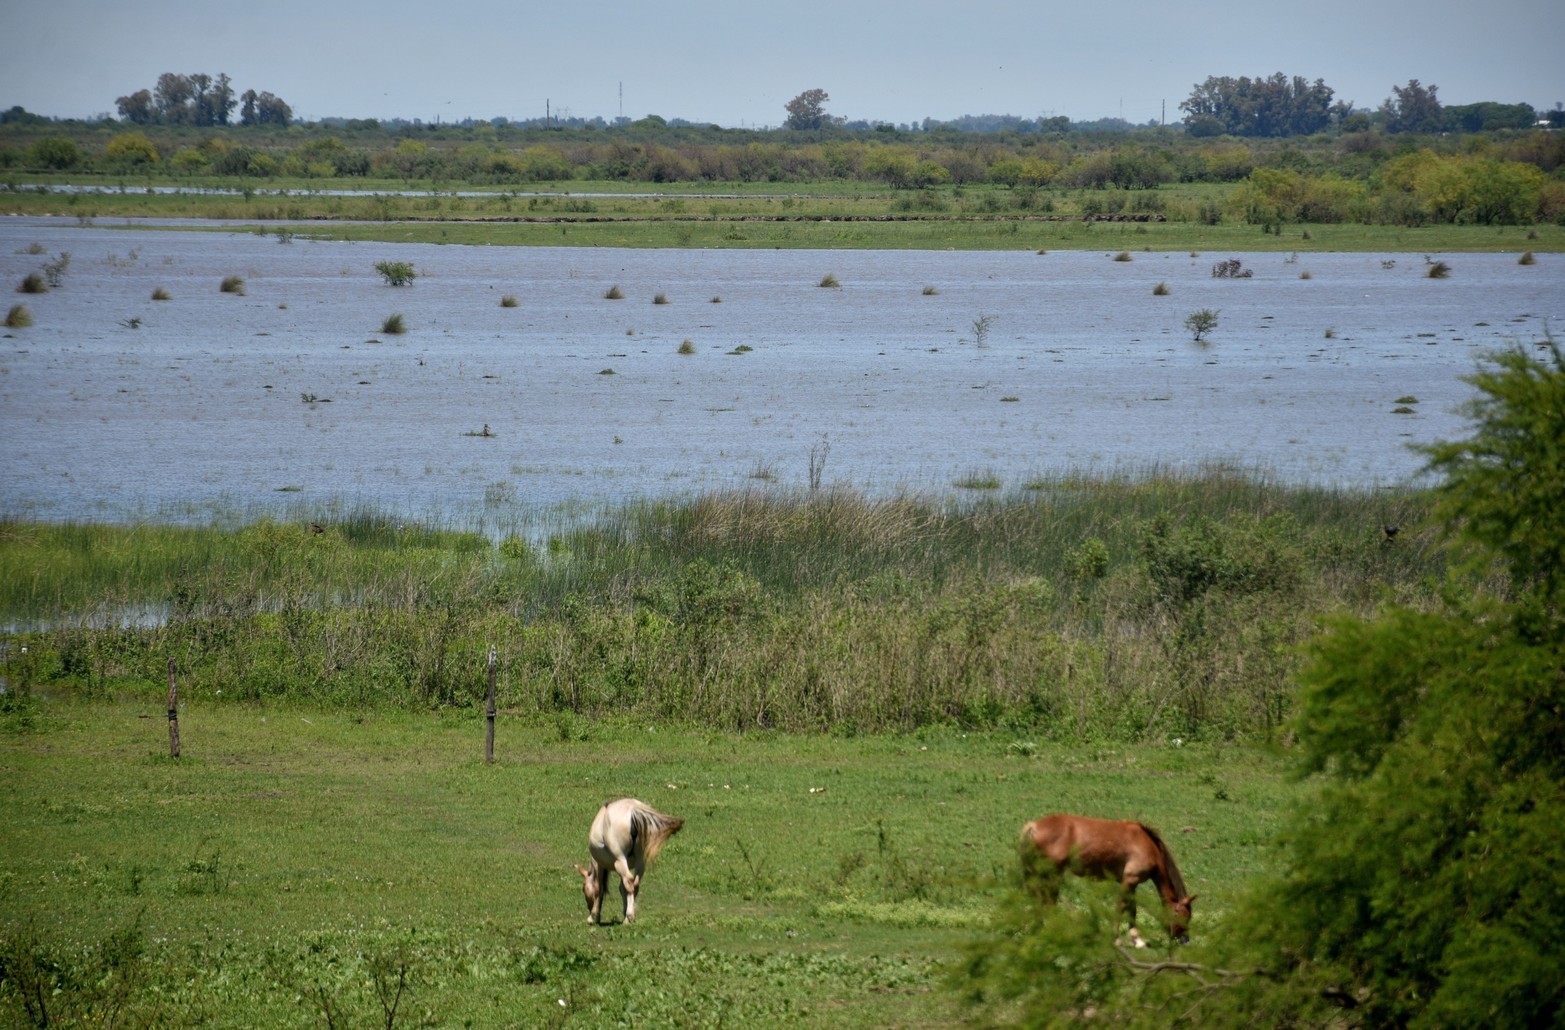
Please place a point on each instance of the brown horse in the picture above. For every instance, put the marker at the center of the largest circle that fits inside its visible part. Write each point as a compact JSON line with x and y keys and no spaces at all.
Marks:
{"x":1129,"y":852}
{"x":625,"y":836}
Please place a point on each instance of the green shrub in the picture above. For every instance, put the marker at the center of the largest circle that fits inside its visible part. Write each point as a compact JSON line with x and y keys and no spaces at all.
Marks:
{"x":394,"y":325}
{"x":1201,"y":322}
{"x":396,"y":273}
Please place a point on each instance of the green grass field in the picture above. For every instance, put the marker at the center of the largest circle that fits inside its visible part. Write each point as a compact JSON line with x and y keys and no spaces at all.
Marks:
{"x":300,"y":867}
{"x":833,"y":215}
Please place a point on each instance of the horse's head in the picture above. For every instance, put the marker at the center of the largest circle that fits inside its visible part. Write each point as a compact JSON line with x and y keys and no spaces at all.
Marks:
{"x":1179,"y":920}
{"x":591,"y":889}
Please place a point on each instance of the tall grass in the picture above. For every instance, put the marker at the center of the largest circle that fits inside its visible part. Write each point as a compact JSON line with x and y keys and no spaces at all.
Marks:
{"x":1108,"y":608}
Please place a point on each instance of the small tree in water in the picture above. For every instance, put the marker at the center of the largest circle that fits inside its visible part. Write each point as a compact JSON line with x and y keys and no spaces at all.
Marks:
{"x":1201,"y":322}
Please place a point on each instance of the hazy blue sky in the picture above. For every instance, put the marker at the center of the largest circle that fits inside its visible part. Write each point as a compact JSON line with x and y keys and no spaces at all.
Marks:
{"x":736,"y":62}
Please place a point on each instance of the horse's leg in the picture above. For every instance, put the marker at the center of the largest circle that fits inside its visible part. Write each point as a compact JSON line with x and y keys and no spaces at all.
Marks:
{"x":1127,"y":899}
{"x":629,"y":883}
{"x":601,"y":876}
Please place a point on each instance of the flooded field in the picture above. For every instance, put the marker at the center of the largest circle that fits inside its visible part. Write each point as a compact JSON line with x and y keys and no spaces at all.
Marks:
{"x":921,"y":371}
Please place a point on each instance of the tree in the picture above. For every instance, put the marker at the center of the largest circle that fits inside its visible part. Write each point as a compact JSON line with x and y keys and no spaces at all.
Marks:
{"x":1413,"y":108}
{"x":172,"y":97}
{"x":1273,"y":106}
{"x":137,"y":108}
{"x":131,"y":148}
{"x":271,"y":110}
{"x":1422,"y":884}
{"x":1426,"y":884}
{"x":807,"y":110}
{"x":1201,"y":322}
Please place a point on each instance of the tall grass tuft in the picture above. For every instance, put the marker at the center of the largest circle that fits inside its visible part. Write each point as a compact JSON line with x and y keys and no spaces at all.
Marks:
{"x":661,"y":298}
{"x":394,"y":325}
{"x":18,"y":317}
{"x":508,"y":301}
{"x":1124,"y":255}
{"x":1438,"y":270}
{"x":1160,"y":290}
{"x":233,"y":284}
{"x":830,"y":281}
{"x":687,"y":347}
{"x":1527,"y":258}
{"x":614,"y":293}
{"x":160,"y":294}
{"x":33,"y":282}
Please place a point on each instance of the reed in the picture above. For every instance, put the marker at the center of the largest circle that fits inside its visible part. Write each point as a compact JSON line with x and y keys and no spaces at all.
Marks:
{"x":1097,"y":608}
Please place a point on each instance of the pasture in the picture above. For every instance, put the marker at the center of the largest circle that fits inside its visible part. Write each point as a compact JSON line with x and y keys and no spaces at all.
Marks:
{"x":305,"y":867}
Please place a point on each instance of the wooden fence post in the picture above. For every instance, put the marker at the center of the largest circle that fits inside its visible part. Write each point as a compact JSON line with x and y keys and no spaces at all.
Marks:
{"x":489,"y":712}
{"x":173,"y":713}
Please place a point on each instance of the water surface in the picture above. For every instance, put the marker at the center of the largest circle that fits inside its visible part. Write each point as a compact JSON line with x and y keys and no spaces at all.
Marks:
{"x":116,"y":406}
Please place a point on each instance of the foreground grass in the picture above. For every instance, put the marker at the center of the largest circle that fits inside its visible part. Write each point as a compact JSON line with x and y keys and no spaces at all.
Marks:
{"x":300,"y":867}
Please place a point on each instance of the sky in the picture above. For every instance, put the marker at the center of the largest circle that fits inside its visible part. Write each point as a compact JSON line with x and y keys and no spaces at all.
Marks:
{"x":737,"y":63}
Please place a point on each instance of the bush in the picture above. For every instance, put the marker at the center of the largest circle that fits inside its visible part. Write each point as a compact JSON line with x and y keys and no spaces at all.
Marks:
{"x":396,"y":273}
{"x":18,"y":317}
{"x":1201,"y":322}
{"x":33,"y":282}
{"x":394,"y":325}
{"x":233,"y":284}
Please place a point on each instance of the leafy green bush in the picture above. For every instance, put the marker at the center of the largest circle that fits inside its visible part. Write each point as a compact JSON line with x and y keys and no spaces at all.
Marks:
{"x":396,"y":273}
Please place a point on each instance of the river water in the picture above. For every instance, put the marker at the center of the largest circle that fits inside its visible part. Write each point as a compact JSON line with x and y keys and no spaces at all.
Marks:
{"x":116,"y":406}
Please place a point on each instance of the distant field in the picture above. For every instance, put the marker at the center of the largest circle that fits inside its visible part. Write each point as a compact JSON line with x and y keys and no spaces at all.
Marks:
{"x":833,"y":215}
{"x":294,"y":863}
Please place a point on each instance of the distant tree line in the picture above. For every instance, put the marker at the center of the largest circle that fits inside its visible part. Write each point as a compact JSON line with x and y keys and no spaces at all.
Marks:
{"x":200,"y":99}
{"x":1281,"y":106}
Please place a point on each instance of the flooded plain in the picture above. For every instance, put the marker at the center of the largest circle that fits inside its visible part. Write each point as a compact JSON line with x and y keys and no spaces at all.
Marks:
{"x":925,"y":372}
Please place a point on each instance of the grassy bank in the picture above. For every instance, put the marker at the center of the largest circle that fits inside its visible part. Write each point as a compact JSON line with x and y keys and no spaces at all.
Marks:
{"x":305,"y":868}
{"x":1098,"y":609}
{"x":837,"y":215}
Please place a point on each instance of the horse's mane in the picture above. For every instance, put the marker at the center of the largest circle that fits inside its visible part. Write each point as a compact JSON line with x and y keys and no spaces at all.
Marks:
{"x":1175,"y":881}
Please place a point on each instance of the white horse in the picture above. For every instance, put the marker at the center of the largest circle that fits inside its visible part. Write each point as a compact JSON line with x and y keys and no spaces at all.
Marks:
{"x":625,"y":836}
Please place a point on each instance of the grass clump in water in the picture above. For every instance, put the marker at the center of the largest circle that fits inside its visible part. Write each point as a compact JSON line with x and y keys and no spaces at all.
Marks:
{"x":394,"y":325}
{"x":18,"y":317}
{"x":234,"y":284}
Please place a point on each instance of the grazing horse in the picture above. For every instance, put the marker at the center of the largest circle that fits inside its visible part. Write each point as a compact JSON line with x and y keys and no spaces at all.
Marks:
{"x":1129,"y":852}
{"x":625,"y":836}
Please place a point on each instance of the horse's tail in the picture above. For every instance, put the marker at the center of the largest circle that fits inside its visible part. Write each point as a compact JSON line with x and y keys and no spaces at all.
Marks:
{"x":1176,"y":882}
{"x":653,"y":829}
